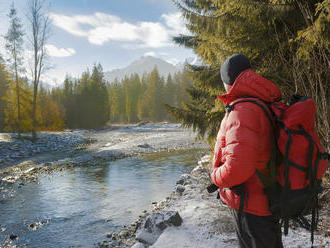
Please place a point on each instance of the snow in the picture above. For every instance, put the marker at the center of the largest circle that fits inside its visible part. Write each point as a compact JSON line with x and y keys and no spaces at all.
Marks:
{"x":207,"y":222}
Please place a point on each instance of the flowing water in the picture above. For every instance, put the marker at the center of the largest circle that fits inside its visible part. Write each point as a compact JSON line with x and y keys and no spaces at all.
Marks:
{"x":78,"y":207}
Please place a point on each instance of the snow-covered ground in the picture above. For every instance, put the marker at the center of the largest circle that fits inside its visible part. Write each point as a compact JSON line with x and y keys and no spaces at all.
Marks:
{"x":207,"y":222}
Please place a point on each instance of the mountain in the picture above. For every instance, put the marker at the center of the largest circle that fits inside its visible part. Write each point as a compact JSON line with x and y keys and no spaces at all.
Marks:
{"x":144,"y":64}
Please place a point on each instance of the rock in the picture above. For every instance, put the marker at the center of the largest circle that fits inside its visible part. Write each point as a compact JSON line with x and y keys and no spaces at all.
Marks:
{"x":138,"y":245}
{"x":10,"y":179}
{"x":144,"y":146}
{"x":29,"y":170}
{"x":13,"y":236}
{"x":113,"y":243}
{"x":155,"y":224}
{"x":183,"y":178}
{"x":180,"y":189}
{"x":123,"y":234}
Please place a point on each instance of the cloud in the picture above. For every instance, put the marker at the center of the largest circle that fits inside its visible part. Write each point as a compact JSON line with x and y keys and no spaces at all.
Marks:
{"x":101,"y":28}
{"x":152,"y":54}
{"x":173,"y":61}
{"x":175,"y":22}
{"x":53,"y":51}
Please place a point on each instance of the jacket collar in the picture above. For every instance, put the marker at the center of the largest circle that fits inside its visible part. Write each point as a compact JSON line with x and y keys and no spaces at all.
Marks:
{"x":251,"y":84}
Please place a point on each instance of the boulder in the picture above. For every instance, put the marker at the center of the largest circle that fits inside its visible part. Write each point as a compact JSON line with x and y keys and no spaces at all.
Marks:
{"x":155,"y":224}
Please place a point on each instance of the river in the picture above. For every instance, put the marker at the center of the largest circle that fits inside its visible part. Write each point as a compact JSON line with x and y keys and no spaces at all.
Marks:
{"x":78,"y":207}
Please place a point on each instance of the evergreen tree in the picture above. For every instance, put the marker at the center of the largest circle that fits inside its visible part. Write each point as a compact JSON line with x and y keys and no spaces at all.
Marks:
{"x":142,"y":108}
{"x":132,"y":95}
{"x":25,"y":110}
{"x":91,"y":107}
{"x":4,"y":86}
{"x":153,"y":97}
{"x":14,"y":43}
{"x":257,"y":29}
{"x":114,"y":94}
{"x":50,"y":116}
{"x":68,"y":102}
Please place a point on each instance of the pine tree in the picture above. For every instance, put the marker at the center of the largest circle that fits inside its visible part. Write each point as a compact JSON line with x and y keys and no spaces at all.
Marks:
{"x":14,"y":47}
{"x":132,"y":95}
{"x":4,"y":86}
{"x":153,"y":97}
{"x":50,"y":117}
{"x":25,"y":110}
{"x":257,"y":29}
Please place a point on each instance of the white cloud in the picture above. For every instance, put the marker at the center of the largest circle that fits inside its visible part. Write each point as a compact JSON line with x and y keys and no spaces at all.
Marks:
{"x":101,"y":28}
{"x":53,"y":51}
{"x":175,"y":22}
{"x":173,"y":61}
{"x":152,"y":54}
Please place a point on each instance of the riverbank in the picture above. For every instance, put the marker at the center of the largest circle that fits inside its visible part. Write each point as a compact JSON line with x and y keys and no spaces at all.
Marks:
{"x":23,"y":174}
{"x":206,"y":222}
{"x":64,"y":150}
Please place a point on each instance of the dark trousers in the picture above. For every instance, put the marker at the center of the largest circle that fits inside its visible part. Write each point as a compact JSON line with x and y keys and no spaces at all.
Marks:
{"x":257,"y":231}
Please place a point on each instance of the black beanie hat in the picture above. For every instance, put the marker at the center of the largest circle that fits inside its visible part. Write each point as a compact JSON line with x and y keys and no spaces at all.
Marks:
{"x":232,"y":67}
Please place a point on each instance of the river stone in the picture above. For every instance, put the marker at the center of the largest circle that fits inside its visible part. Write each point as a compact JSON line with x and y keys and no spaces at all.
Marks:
{"x":183,"y":178}
{"x":155,"y":224}
{"x":144,"y":146}
{"x":180,"y":189}
{"x":13,"y":236}
{"x":138,"y":245}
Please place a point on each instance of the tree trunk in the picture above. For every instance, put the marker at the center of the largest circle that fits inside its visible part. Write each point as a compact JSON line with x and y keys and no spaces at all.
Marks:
{"x":18,"y":96}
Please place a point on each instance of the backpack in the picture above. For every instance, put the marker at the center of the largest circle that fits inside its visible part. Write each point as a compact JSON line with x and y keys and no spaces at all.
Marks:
{"x":297,"y":162}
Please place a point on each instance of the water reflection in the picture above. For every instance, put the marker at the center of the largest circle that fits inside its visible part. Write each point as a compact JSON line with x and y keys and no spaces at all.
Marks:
{"x":79,"y":206}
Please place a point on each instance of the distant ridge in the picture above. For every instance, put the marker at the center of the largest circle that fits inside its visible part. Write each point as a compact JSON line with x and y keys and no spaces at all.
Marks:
{"x":142,"y":65}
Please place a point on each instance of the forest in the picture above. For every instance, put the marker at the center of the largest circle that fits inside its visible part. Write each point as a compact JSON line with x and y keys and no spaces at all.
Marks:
{"x":26,"y":105}
{"x":91,"y":102}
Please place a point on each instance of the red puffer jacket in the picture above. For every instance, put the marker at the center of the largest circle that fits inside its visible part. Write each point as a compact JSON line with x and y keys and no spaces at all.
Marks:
{"x":243,"y":144}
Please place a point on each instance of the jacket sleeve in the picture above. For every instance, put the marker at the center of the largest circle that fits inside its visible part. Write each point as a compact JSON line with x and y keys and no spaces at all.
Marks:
{"x":240,"y":154}
{"x":216,"y":161}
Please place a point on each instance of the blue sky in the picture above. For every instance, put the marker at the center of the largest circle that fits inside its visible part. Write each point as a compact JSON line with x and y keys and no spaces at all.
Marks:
{"x":112,"y":32}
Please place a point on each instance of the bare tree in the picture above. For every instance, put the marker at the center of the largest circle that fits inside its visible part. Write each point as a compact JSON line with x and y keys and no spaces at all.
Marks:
{"x":40,"y":25}
{"x":14,"y":43}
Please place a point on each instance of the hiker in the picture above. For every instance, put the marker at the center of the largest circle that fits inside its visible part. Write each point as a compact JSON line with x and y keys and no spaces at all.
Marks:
{"x":243,"y":146}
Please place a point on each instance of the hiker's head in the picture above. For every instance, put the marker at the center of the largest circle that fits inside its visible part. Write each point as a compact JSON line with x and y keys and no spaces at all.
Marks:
{"x":232,"y":67}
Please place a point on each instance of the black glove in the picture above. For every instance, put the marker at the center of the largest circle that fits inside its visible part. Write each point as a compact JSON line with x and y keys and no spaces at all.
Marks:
{"x":212,"y":188}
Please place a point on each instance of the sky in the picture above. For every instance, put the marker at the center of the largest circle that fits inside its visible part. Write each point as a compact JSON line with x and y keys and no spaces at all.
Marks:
{"x":111,"y":32}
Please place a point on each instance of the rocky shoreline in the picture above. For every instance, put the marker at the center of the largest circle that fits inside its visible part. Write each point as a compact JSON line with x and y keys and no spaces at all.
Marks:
{"x":13,"y":149}
{"x":204,"y":221}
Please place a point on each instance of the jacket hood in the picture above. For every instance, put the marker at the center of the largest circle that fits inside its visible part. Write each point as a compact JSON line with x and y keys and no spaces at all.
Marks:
{"x":251,"y":84}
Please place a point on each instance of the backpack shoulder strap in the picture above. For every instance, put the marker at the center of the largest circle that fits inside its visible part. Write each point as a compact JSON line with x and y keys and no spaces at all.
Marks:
{"x":257,"y":101}
{"x":275,"y":156}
